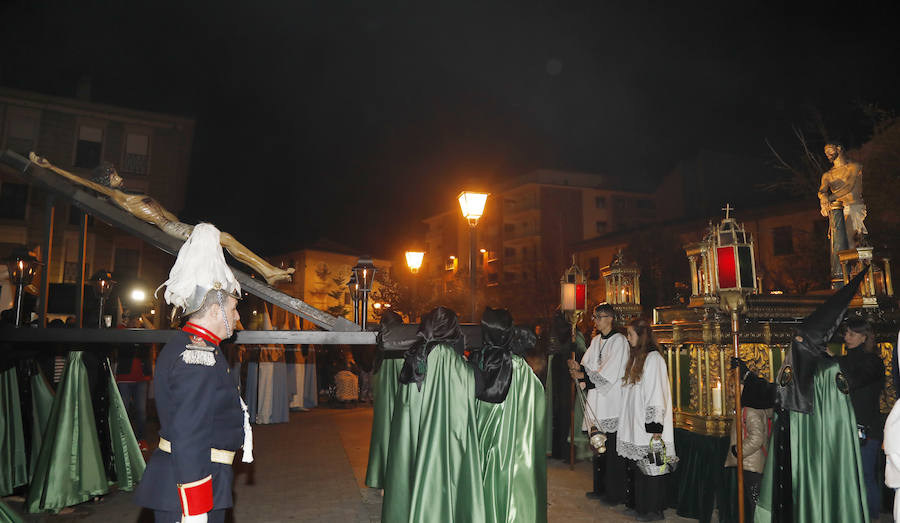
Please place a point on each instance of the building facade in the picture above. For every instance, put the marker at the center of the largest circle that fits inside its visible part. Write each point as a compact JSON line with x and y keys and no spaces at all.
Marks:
{"x":151,"y":151}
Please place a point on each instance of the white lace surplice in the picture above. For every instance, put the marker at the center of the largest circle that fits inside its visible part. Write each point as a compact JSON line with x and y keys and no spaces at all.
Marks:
{"x":648,"y":401}
{"x":604,"y":363}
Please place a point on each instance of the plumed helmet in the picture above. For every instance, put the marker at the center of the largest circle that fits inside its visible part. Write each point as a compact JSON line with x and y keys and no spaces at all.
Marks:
{"x":199,"y":268}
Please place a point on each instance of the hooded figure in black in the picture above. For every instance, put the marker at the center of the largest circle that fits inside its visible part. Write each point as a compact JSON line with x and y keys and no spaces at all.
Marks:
{"x":511,"y":415}
{"x":814,"y":470}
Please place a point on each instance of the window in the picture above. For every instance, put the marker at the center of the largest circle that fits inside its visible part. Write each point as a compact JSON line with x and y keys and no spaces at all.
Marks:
{"x":525,"y":252}
{"x":13,"y":200}
{"x":509,"y":276}
{"x":126,"y":263}
{"x":646,"y":204}
{"x":21,"y":133}
{"x":600,"y":202}
{"x":509,"y":227}
{"x":524,"y":276}
{"x":601,"y":227}
{"x":782,"y":241}
{"x":137,"y":154}
{"x":509,"y":252}
{"x":89,"y":147}
{"x":594,"y":268}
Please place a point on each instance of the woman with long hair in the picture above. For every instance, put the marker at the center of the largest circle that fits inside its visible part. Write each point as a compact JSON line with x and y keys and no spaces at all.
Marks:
{"x":864,"y":370}
{"x":645,"y":422}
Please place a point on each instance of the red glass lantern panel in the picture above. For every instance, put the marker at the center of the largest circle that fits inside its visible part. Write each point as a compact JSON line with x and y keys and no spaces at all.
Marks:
{"x":727,"y":267}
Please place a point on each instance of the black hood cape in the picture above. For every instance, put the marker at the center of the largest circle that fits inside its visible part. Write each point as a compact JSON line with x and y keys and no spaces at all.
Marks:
{"x":440,"y":326}
{"x":808,"y":348}
{"x":500,"y":339}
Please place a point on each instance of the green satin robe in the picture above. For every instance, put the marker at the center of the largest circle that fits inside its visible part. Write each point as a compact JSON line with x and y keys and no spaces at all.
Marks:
{"x":514,"y":462}
{"x":826,"y":467}
{"x":385,"y":386}
{"x":8,"y":516}
{"x":434,"y":467}
{"x":41,"y":406}
{"x":69,"y":466}
{"x":13,"y":466}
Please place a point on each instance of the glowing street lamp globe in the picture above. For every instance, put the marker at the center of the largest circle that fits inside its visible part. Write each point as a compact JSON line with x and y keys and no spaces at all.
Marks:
{"x":472,"y":205}
{"x":414,"y":260}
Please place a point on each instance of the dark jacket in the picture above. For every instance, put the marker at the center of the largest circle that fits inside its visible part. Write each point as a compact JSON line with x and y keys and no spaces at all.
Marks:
{"x":864,"y":372}
{"x":199,"y":408}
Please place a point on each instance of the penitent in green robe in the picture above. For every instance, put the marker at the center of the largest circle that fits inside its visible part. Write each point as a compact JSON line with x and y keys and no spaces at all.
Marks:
{"x":13,"y":467}
{"x":385,"y":383}
{"x":511,"y":436}
{"x":69,"y":466}
{"x":41,"y":406}
{"x":434,"y":467}
{"x":826,"y":468}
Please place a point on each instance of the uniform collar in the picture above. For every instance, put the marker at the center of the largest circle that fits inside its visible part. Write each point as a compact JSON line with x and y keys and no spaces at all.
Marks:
{"x":196,"y":330}
{"x":607,"y":336}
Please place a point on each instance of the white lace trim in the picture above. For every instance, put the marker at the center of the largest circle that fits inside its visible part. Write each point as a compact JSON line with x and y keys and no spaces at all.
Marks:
{"x":598,"y":380}
{"x":631,"y":451}
{"x":654,"y":415}
{"x":608,"y":425}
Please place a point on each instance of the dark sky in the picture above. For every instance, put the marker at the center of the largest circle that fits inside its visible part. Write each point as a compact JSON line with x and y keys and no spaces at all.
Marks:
{"x":355,"y":120}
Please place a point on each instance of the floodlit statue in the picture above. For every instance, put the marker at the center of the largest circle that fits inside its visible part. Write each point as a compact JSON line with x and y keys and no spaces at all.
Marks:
{"x":843,"y":184}
{"x":108,"y":182}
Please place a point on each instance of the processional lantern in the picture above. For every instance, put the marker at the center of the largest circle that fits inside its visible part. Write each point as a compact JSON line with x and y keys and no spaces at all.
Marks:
{"x":573,"y":293}
{"x":623,"y":286}
{"x":102,"y":282}
{"x":22,"y":267}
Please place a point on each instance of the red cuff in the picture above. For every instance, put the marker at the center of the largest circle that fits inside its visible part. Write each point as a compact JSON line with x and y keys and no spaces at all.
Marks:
{"x":196,"y":497}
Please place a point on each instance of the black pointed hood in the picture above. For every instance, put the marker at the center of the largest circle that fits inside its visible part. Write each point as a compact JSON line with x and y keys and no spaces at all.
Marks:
{"x":440,"y":326}
{"x":809,"y":345}
{"x":493,"y":363}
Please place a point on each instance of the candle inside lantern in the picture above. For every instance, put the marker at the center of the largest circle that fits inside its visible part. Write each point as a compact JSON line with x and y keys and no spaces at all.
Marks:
{"x":717,"y":399}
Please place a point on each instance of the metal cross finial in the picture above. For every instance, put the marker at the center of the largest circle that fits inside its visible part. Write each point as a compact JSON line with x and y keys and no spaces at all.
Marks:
{"x":728,"y":208}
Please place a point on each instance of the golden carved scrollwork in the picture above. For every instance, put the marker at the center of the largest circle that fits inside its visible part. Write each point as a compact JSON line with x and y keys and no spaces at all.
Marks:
{"x":888,"y":395}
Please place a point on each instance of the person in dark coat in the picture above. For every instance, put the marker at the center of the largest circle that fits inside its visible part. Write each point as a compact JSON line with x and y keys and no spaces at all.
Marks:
{"x":203,"y":420}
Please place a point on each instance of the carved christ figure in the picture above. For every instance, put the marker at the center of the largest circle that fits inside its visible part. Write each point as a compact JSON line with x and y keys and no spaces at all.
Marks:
{"x":843,"y":183}
{"x":109,"y":183}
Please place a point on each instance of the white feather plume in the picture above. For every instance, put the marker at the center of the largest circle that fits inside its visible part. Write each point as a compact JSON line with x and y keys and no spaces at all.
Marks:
{"x":200,"y":264}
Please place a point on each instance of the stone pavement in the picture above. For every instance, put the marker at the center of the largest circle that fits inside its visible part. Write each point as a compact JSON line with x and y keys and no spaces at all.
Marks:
{"x":313,"y":469}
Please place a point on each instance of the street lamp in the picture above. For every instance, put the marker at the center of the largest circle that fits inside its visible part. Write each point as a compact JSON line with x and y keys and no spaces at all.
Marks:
{"x":414,"y":262}
{"x":365,"y":276}
{"x":735,"y":278}
{"x":102,"y":282}
{"x":353,"y":288}
{"x":472,"y":206}
{"x":22,"y":268}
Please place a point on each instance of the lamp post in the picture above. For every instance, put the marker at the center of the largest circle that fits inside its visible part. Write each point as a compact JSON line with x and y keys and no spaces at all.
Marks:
{"x":353,"y":288}
{"x":472,"y":206}
{"x":573,"y":303}
{"x":735,"y":278}
{"x":365,"y":276}
{"x":22,"y":268}
{"x":102,"y":282}
{"x":414,"y":262}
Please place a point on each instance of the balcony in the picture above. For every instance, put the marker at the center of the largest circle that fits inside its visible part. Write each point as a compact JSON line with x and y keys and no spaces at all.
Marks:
{"x":520,"y":230}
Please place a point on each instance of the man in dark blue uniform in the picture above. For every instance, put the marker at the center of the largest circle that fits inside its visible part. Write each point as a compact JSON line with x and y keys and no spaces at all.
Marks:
{"x":202,"y":417}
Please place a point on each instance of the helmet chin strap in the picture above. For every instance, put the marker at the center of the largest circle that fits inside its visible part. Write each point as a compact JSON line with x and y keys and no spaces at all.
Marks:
{"x":224,"y":316}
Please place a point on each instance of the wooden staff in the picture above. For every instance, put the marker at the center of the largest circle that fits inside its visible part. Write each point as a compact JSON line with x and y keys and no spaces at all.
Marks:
{"x":738,"y":418}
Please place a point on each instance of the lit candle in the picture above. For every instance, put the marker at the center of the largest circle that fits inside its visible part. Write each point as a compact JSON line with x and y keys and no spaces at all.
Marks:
{"x":717,"y":399}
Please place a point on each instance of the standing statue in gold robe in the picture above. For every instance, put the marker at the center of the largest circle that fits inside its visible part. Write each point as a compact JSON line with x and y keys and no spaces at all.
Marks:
{"x":843,"y":183}
{"x":108,"y":183}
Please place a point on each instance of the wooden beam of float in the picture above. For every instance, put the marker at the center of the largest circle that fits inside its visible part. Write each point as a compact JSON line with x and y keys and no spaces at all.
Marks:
{"x":246,"y":337}
{"x":120,"y":219}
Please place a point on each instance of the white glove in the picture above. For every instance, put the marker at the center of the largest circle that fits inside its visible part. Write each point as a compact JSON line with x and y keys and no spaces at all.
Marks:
{"x":199,"y":518}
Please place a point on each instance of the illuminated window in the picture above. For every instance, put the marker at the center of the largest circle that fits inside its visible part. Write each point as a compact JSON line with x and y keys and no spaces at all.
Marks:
{"x":137,"y":154}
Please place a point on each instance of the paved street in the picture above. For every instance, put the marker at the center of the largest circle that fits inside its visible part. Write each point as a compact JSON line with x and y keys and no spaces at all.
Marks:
{"x":313,"y":468}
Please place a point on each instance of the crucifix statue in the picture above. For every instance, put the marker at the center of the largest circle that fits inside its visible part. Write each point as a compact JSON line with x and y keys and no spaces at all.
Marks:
{"x":107,"y":182}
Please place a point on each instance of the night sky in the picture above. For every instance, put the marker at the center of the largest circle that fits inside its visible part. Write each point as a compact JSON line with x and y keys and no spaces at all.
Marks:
{"x":354,"y":120}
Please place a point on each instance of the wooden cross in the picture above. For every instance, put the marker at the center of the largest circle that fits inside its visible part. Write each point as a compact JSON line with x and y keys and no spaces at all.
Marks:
{"x":728,"y":208}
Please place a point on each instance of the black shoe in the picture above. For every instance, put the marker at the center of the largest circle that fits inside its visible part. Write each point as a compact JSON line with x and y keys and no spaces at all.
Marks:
{"x":610,"y":503}
{"x":592,"y":495}
{"x":650,"y":516}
